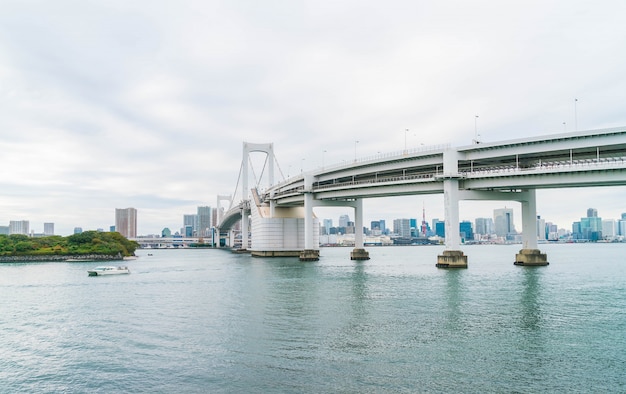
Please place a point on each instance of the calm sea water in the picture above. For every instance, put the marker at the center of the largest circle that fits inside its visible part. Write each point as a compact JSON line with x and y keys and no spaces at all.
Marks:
{"x":212,"y":321}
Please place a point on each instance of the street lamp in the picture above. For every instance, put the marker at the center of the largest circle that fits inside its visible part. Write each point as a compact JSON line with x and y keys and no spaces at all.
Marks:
{"x":575,"y":115}
{"x":323,"y":156}
{"x":301,"y":164}
{"x":476,"y":129}
{"x":355,"y":142}
{"x":405,"y":132}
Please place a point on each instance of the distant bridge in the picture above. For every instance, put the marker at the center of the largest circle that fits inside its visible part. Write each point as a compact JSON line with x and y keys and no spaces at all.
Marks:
{"x":508,"y":170}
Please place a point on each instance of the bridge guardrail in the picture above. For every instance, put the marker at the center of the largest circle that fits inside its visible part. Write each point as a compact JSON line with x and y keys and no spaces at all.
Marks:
{"x":603,"y":163}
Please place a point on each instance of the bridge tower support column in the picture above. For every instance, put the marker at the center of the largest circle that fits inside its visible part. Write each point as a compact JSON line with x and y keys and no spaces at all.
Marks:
{"x":530,"y":254}
{"x":452,"y":256}
{"x":359,"y":252}
{"x":310,"y":253}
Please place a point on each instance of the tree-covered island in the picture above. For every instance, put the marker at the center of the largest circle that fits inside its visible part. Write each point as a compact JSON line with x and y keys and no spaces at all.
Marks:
{"x":89,"y":244}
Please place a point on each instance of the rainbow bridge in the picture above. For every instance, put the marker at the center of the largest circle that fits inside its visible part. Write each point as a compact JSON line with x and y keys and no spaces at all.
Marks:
{"x":281,"y":217}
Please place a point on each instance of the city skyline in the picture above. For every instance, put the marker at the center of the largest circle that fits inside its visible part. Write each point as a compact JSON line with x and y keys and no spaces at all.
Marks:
{"x":147,"y":105}
{"x":129,"y":218}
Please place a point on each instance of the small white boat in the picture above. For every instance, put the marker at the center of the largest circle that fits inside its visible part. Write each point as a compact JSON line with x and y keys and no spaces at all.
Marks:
{"x":108,"y":270}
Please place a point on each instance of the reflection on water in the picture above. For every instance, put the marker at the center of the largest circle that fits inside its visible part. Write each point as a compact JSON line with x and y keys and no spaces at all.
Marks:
{"x":454,"y":297}
{"x":531,"y":318}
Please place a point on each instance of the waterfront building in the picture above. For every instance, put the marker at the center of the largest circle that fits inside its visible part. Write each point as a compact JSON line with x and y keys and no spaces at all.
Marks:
{"x":503,"y":223}
{"x":552,"y":232}
{"x":19,"y":227}
{"x":375,"y":228}
{"x":48,"y":229}
{"x":434,"y":223}
{"x":591,"y":226}
{"x":166,"y":233}
{"x":204,"y":221}
{"x":192,"y":221}
{"x":126,"y":222}
{"x":483,"y":226}
{"x":576,"y":231}
{"x":343,"y":220}
{"x":542,"y":232}
{"x":621,"y":226}
{"x":413,"y":226}
{"x":609,"y":229}
{"x":402,"y":227}
{"x":440,"y":229}
{"x":328,"y":224}
{"x":383,"y":228}
{"x":466,"y":231}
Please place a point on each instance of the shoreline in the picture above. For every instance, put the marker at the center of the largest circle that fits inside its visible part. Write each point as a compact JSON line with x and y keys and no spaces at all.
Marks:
{"x":60,"y":257}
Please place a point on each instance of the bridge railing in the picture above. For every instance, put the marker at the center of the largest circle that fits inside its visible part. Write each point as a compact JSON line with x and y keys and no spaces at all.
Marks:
{"x":556,"y":166}
{"x":393,"y":179}
{"x":385,"y":155}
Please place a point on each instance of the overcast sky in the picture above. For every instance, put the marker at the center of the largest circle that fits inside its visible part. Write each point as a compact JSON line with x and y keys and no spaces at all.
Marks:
{"x":145,"y":104}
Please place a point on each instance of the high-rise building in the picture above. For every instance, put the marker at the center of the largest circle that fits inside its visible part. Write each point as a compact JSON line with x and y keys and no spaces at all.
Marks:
{"x":402,"y":227}
{"x":204,"y":221}
{"x":503,"y":222}
{"x":552,"y":232}
{"x":126,"y":222}
{"x":440,"y":229}
{"x":541,"y":228}
{"x":78,"y":230}
{"x":48,"y":229}
{"x":591,"y":226}
{"x":190,"y":220}
{"x":328,"y":224}
{"x":19,"y":227}
{"x":4,"y":230}
{"x":621,"y":226}
{"x":465,"y":230}
{"x":343,"y":220}
{"x":609,"y":228}
{"x":484,"y":226}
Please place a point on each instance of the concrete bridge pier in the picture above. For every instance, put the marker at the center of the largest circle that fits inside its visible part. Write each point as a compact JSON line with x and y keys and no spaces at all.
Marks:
{"x":452,"y":256}
{"x":359,"y":252}
{"x":530,"y":255}
{"x":310,"y":253}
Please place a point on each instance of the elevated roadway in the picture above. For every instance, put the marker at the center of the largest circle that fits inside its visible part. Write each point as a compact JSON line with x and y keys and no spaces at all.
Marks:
{"x":506,"y":170}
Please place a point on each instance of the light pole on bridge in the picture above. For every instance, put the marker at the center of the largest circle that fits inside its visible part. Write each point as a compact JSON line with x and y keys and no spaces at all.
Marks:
{"x":476,"y":141}
{"x":405,"y":133}
{"x":355,"y":142}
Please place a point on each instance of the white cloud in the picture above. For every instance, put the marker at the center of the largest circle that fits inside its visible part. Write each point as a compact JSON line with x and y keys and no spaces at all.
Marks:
{"x":146,"y":104}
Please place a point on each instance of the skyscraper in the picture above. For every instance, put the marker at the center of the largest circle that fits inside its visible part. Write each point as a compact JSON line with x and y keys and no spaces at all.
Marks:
{"x":48,"y":229}
{"x":19,"y":227}
{"x":328,"y":224}
{"x":402,"y":227}
{"x":190,"y":220}
{"x":204,"y":221}
{"x":343,"y":220}
{"x":503,"y":222}
{"x":541,"y":228}
{"x":126,"y":222}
